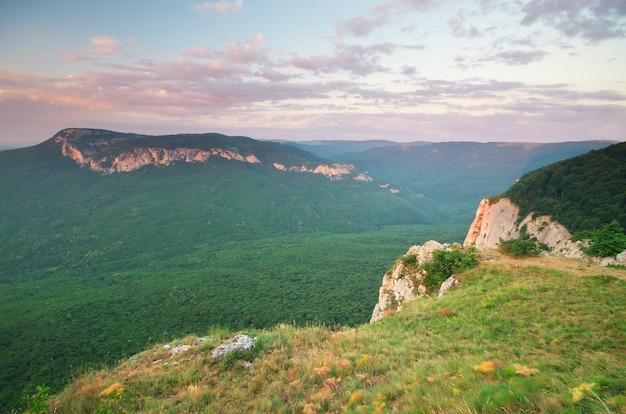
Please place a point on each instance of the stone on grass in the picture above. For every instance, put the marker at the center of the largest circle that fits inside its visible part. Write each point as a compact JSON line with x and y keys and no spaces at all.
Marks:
{"x":239,"y":343}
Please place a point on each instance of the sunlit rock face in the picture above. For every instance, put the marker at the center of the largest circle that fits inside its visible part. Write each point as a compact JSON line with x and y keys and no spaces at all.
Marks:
{"x":99,"y":151}
{"x":404,"y":281}
{"x":89,"y":152}
{"x":500,"y":220}
{"x":332,"y":171}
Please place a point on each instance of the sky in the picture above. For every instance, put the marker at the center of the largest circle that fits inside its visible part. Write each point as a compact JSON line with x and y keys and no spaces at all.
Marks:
{"x":401,"y":70}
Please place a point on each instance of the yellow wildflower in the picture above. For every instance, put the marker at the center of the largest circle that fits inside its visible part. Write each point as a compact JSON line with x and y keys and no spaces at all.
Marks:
{"x":578,"y":393}
{"x":115,"y":390}
{"x":487,"y":367}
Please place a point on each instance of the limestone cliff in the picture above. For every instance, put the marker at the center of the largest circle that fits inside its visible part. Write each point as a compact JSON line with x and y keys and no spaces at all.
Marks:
{"x":404,"y":281}
{"x":500,"y":219}
{"x":107,"y":152}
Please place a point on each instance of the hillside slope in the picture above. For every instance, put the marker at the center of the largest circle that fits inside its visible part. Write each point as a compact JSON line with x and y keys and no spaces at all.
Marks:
{"x":96,"y":265}
{"x":582,"y":193}
{"x":534,"y":335}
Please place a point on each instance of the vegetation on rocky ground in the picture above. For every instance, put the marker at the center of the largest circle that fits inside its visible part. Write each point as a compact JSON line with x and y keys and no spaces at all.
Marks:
{"x":538,"y":335}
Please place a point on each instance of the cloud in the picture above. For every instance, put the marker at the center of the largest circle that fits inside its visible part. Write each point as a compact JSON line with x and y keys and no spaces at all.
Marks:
{"x":457,"y":25}
{"x":361,"y":26}
{"x":594,"y":20}
{"x":357,"y":59}
{"x":220,"y":7}
{"x":103,"y":45}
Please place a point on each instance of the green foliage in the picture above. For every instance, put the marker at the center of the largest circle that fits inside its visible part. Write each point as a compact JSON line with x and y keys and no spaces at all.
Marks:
{"x":446,"y":263}
{"x":409,"y":260}
{"x":581,"y":193}
{"x":523,"y":246}
{"x":38,"y":402}
{"x":609,"y":241}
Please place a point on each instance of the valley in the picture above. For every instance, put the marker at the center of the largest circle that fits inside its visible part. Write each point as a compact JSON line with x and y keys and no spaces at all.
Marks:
{"x":97,"y":264}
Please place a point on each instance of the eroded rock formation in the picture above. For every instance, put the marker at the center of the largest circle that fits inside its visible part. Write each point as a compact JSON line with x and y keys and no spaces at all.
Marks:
{"x":500,"y":219}
{"x":403,"y":282}
{"x":98,"y":150}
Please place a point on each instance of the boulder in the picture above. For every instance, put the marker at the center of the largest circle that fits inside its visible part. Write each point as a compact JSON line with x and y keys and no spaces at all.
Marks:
{"x":239,"y":343}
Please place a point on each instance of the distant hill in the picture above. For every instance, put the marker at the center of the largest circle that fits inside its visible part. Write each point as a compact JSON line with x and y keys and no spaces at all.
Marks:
{"x":582,"y":193}
{"x":333,"y":149}
{"x":457,"y":175}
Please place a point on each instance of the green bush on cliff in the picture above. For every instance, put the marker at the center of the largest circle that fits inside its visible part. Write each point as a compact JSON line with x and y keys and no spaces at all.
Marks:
{"x":446,"y":263}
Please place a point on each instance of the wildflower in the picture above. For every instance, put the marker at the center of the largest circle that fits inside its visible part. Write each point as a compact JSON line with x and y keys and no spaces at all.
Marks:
{"x":322,"y":371}
{"x":343,"y":363}
{"x":524,"y":371}
{"x":487,"y":367}
{"x":115,"y":390}
{"x":356,"y":397}
{"x":365,"y":359}
{"x":578,"y":393}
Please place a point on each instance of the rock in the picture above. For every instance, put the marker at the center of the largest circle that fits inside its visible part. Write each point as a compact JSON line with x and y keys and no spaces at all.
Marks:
{"x":620,"y":259}
{"x":500,"y":220}
{"x":240,"y":343}
{"x":179,"y":349}
{"x":402,"y":282}
{"x":447,"y":285}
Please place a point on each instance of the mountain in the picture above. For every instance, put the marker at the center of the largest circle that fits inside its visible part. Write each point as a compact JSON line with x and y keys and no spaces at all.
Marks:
{"x":99,"y":260}
{"x":333,"y":149}
{"x":457,"y":175}
{"x":111,"y":241}
{"x":579,"y":194}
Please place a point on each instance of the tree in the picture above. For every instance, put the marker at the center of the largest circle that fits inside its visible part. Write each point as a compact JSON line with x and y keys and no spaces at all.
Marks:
{"x":609,"y":241}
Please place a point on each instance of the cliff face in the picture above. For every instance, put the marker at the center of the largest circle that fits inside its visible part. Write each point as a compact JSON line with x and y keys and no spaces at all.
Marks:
{"x":500,"y":219}
{"x":403,"y":282}
{"x":97,"y":150}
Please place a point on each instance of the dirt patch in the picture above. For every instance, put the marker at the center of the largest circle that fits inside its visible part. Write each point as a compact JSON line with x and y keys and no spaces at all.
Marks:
{"x":579,"y":267}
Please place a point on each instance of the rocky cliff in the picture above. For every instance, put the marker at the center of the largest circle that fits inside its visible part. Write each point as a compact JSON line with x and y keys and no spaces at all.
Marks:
{"x":107,"y":152}
{"x":404,"y":281}
{"x":500,"y":218}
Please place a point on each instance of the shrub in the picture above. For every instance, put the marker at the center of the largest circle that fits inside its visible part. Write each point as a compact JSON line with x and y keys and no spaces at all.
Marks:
{"x":523,"y":246}
{"x":609,"y":241}
{"x":447,"y":262}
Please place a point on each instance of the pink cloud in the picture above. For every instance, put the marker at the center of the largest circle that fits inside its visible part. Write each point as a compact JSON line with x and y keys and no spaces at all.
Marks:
{"x":103,"y":45}
{"x":221,"y":7}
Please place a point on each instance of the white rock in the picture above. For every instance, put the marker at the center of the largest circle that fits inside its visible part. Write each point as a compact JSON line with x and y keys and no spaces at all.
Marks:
{"x":240,"y":343}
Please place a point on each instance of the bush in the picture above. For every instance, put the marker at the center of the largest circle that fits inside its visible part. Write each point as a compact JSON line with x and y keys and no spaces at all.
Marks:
{"x":609,"y":241}
{"x":447,"y":262}
{"x":523,"y":246}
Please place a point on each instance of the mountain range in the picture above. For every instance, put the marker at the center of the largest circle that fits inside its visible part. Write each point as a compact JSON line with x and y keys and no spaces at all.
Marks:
{"x":114,"y":240}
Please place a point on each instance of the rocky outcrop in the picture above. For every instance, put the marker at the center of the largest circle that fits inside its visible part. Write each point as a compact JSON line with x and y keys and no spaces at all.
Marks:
{"x":499,"y":219}
{"x":403,"y":282}
{"x":90,"y":153}
{"x":97,"y":150}
{"x":332,"y":171}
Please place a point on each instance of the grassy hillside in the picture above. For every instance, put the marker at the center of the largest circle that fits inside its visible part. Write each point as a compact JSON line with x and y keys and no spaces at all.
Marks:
{"x":582,"y":193}
{"x":96,"y":267}
{"x":538,"y":335}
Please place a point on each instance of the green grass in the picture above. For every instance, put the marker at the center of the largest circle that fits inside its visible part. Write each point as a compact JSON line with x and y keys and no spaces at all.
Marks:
{"x":516,"y":336}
